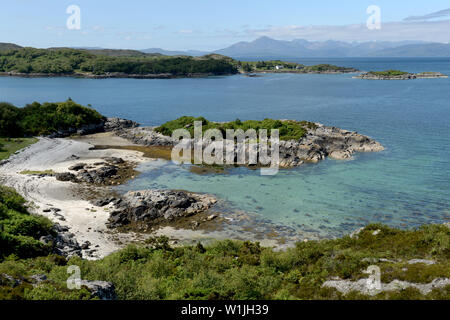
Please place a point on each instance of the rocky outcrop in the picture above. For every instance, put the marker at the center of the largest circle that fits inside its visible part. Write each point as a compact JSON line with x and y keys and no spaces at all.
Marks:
{"x":146,"y":136}
{"x":117,"y":124}
{"x":319,"y":142}
{"x":63,"y":243}
{"x":150,"y":207}
{"x":365,"y":286}
{"x":102,"y":173}
{"x":101,"y":289}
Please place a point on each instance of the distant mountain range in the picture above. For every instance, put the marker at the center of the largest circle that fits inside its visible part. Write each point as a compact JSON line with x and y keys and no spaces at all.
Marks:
{"x":267,"y":48}
{"x":194,"y":53}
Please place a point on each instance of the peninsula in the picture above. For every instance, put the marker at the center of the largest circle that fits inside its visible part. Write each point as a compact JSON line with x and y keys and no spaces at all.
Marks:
{"x":100,"y":64}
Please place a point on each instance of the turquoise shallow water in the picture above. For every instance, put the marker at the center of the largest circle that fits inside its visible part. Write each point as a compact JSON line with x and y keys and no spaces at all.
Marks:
{"x":406,"y":185}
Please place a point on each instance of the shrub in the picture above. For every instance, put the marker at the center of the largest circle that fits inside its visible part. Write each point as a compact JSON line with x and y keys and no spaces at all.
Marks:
{"x":20,"y":231}
{"x":41,"y":119}
{"x":288,"y":129}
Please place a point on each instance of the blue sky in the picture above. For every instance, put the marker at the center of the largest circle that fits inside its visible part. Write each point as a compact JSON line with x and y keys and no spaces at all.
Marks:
{"x":211,"y":24}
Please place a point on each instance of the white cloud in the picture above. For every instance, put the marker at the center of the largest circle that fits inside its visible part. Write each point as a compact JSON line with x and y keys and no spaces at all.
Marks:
{"x":435,"y":15}
{"x":390,"y":31}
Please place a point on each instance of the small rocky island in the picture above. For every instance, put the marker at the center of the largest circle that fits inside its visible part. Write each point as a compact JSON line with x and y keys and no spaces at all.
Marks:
{"x":399,"y":75}
{"x":300,"y":141}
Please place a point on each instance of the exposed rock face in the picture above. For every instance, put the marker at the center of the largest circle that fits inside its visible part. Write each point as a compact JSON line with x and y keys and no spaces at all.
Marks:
{"x":322,"y":142}
{"x":64,"y":243}
{"x":101,"y":289}
{"x":364,"y":286}
{"x":36,"y":279}
{"x":117,"y":124}
{"x":150,"y":206}
{"x":146,"y":136}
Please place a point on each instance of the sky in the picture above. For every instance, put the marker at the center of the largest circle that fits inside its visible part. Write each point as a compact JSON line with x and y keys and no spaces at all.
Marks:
{"x":211,"y":24}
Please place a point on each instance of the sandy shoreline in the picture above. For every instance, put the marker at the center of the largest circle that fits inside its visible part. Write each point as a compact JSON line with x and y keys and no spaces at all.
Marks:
{"x":85,"y":220}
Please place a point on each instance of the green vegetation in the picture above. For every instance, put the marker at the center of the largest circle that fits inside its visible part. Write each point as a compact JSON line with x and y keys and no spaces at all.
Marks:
{"x":288,"y":129}
{"x":245,"y":270}
{"x":388,"y":73}
{"x":20,"y":231}
{"x":65,"y":61}
{"x":70,"y":61}
{"x":10,"y":145}
{"x":41,"y":119}
{"x":34,"y":172}
{"x":282,"y":66}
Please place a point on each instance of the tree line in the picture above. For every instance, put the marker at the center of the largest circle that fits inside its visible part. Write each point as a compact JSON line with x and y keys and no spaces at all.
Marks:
{"x":68,"y":61}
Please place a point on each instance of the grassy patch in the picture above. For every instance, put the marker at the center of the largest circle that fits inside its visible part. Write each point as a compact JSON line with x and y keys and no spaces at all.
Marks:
{"x":388,"y":73}
{"x":31,"y":172}
{"x":288,"y":129}
{"x":10,"y":145}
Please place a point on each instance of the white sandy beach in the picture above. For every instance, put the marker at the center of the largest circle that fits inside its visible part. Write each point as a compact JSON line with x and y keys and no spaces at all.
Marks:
{"x":47,"y":192}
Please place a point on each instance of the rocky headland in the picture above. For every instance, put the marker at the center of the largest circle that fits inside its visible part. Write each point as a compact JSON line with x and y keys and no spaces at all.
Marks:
{"x":319,"y":142}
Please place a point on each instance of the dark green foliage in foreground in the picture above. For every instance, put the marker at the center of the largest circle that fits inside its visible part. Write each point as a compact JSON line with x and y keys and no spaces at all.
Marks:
{"x":388,"y":73}
{"x":244,"y":270}
{"x":288,"y":129}
{"x":68,"y":61}
{"x":20,"y":231}
{"x":40,"y":119}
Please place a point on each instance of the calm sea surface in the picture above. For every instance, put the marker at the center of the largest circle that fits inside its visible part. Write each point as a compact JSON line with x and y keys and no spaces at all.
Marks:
{"x":408,"y":184}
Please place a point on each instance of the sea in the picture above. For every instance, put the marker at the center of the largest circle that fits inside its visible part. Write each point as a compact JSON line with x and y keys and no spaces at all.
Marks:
{"x":406,"y":185}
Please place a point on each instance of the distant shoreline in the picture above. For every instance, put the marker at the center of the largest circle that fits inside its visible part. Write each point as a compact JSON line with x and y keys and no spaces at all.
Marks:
{"x":115,"y":75}
{"x":156,"y":76}
{"x":399,"y":75}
